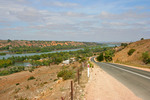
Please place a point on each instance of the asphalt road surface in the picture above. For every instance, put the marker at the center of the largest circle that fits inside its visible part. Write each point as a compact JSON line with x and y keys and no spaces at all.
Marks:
{"x":138,"y":81}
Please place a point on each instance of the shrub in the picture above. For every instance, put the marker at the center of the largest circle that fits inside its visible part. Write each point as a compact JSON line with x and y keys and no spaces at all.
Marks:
{"x":31,"y":78}
{"x":108,"y":55}
{"x":131,"y":51}
{"x":2,"y":53}
{"x":55,"y":80}
{"x":27,"y":87}
{"x":100,"y":57}
{"x":65,"y":67}
{"x":17,"y":83}
{"x":5,"y":63}
{"x":90,"y":64}
{"x":124,"y":44}
{"x":31,"y":69}
{"x":146,"y":57}
{"x":61,"y":73}
{"x":66,"y":74}
{"x":16,"y":69}
{"x":11,"y":70}
{"x":4,"y":72}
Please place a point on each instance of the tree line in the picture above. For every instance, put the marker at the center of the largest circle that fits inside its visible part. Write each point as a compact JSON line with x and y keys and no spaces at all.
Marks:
{"x":51,"y":58}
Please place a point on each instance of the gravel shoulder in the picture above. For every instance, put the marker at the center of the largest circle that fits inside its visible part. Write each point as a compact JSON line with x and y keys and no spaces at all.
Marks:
{"x":102,"y":86}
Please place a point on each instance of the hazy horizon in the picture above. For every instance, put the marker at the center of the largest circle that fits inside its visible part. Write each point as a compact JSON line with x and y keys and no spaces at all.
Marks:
{"x":75,"y":20}
{"x":77,"y":41}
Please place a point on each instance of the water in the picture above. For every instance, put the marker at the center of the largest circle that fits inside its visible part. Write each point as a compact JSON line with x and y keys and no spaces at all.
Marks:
{"x":4,"y":51}
{"x":31,"y":54}
{"x":112,"y":45}
{"x":21,"y":64}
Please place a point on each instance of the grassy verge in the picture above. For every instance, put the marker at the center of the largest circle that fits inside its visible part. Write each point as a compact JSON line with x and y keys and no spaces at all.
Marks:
{"x":135,"y":65}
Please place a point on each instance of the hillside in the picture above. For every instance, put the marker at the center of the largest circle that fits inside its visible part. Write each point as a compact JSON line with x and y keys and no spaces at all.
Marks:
{"x":24,"y":46}
{"x":135,"y":58}
{"x":17,"y":43}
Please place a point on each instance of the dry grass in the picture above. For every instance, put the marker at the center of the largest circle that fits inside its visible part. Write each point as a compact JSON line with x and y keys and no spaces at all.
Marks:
{"x":136,"y":58}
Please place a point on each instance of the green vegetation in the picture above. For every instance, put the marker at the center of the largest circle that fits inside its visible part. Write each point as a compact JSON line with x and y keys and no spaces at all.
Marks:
{"x":1,"y":54}
{"x":8,"y":40}
{"x":46,"y":59}
{"x":27,"y":49}
{"x":146,"y":57}
{"x":4,"y":63}
{"x":12,"y":70}
{"x":131,"y":51}
{"x":31,"y":78}
{"x":22,"y":46}
{"x":55,"y":80}
{"x":100,"y":57}
{"x":90,"y":64}
{"x":66,"y":74}
{"x":17,"y":83}
{"x":106,"y":55}
{"x":124,"y":44}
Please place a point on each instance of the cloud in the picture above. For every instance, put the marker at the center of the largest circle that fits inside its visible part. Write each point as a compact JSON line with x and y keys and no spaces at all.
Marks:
{"x":61,"y":4}
{"x":20,"y":19}
{"x":124,"y":16}
{"x":64,"y":4}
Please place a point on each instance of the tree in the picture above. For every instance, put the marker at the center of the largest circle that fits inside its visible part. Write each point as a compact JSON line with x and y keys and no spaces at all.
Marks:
{"x":100,"y":57}
{"x":124,"y":44}
{"x":146,"y":57}
{"x":108,"y":55}
{"x":131,"y":51}
{"x":8,"y":40}
{"x":142,"y":38}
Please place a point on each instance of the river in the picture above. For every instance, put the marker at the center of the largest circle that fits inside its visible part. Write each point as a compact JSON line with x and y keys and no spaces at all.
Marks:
{"x":31,"y":54}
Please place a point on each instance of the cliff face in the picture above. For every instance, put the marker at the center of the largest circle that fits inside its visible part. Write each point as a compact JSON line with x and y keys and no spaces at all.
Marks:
{"x":17,"y":43}
{"x":136,"y":58}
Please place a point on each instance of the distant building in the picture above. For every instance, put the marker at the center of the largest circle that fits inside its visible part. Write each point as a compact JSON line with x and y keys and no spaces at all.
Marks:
{"x":71,"y":60}
{"x":29,"y":65}
{"x":66,"y":62}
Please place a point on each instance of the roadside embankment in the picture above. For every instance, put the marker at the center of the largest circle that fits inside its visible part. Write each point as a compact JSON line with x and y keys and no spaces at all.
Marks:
{"x":102,"y":86}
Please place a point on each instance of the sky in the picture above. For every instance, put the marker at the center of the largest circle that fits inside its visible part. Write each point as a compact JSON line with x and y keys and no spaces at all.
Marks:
{"x":75,"y":20}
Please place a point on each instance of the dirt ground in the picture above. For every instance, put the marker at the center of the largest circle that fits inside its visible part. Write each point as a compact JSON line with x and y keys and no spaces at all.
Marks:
{"x":44,"y":87}
{"x":102,"y":86}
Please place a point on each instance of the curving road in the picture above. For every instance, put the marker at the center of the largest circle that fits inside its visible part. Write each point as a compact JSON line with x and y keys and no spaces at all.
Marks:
{"x":138,"y":81}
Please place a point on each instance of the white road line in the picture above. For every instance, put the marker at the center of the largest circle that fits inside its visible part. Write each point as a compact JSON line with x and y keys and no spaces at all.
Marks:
{"x":130,"y":72}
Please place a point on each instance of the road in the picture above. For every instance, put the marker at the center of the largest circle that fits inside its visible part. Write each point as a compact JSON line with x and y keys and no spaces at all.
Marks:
{"x":138,"y":81}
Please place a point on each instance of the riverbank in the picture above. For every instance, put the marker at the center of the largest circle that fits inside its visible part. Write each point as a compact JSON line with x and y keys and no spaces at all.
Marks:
{"x":32,"y":54}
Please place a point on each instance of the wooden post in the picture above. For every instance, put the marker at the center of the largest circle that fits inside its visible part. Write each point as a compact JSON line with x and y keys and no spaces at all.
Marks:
{"x":78,"y":76}
{"x":62,"y":98}
{"x":71,"y":90}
